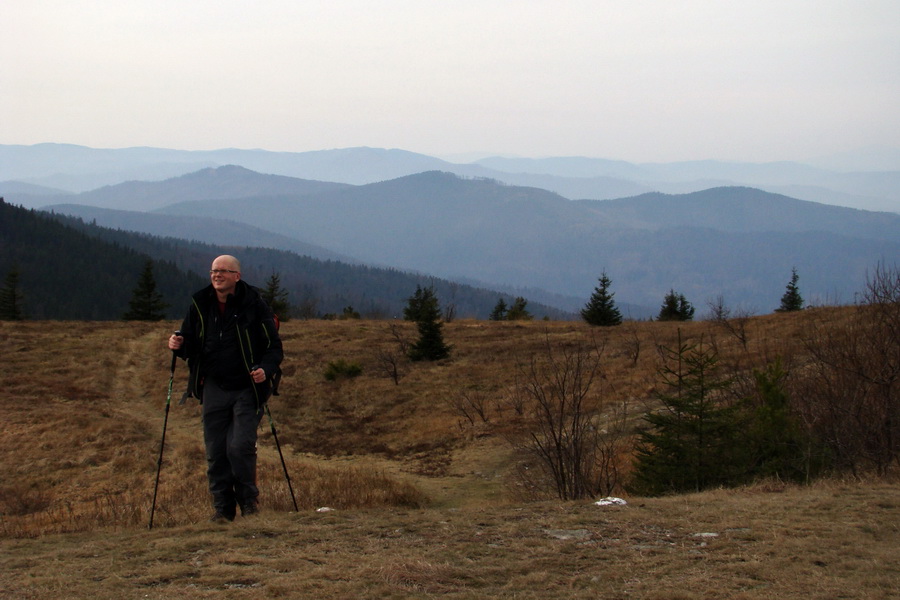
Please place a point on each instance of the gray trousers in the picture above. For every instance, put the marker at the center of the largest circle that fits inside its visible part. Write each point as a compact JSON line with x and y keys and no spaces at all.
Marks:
{"x":230,"y":422}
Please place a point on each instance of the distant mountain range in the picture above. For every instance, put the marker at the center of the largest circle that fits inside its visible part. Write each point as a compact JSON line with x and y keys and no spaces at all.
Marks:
{"x":62,"y":168}
{"x":736,"y":242}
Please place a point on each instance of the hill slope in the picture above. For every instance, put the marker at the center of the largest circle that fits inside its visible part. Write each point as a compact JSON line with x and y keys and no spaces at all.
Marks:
{"x":728,"y":241}
{"x":74,"y":270}
{"x":67,"y":274}
{"x":201,"y":229}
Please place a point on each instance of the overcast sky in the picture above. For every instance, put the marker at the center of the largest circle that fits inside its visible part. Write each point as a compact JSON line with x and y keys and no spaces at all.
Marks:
{"x":641,"y":80}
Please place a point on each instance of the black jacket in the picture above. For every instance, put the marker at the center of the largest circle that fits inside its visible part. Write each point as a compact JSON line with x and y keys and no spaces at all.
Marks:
{"x":248,"y":324}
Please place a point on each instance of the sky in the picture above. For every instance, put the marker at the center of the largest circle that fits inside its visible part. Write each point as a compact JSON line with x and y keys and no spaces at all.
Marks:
{"x":644,"y":81}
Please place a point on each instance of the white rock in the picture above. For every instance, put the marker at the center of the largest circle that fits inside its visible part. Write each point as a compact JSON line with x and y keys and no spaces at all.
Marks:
{"x":610,"y":501}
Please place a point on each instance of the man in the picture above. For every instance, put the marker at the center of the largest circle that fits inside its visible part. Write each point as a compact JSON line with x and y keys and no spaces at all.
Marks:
{"x":230,"y":340}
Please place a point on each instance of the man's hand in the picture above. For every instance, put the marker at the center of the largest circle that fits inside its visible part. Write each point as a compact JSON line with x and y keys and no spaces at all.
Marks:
{"x":175,"y":342}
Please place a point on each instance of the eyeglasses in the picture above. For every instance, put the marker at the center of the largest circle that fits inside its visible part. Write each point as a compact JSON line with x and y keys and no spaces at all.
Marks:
{"x":221,"y":271}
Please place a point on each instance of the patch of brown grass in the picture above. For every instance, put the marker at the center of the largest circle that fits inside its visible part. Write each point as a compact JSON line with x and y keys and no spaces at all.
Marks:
{"x":829,"y":540}
{"x":421,"y":498}
{"x":84,"y":404}
{"x":83,"y":413}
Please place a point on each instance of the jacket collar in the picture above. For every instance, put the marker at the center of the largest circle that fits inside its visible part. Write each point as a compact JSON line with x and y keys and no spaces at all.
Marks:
{"x":242,"y":294}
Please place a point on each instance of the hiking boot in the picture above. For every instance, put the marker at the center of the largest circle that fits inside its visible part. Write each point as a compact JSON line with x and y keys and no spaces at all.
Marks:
{"x":220,"y":517}
{"x":251,"y":508}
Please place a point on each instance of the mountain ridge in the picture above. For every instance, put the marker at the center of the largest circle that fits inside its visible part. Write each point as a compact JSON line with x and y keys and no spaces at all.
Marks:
{"x":79,"y":168}
{"x":516,"y":237}
{"x":750,"y":209}
{"x":476,"y":228}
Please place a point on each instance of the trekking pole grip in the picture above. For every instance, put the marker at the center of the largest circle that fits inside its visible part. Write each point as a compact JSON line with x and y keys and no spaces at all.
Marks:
{"x":174,"y":355}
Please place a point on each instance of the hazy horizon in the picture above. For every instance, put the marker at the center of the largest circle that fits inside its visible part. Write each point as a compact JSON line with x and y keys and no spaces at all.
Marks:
{"x":644,"y":82}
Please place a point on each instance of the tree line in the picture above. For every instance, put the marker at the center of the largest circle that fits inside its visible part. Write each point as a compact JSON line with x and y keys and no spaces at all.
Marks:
{"x":54,"y":271}
{"x":98,"y":268}
{"x":601,"y":309}
{"x":109,"y":274}
{"x":148,"y":304}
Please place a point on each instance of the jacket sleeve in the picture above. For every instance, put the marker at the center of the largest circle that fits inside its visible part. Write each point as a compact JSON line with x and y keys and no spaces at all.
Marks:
{"x":191,"y":331}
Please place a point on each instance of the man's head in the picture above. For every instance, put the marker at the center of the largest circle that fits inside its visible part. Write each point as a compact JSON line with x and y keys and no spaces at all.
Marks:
{"x":224,"y":275}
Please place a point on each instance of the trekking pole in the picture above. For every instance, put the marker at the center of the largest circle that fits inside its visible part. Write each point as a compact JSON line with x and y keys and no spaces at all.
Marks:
{"x":283,"y":465}
{"x":162,"y":443}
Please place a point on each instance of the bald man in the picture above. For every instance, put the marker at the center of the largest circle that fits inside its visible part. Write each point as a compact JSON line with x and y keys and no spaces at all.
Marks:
{"x":230,"y":340}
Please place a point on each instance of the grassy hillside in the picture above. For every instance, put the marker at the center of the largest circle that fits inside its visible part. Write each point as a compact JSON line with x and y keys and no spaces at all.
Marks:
{"x":425,"y":501}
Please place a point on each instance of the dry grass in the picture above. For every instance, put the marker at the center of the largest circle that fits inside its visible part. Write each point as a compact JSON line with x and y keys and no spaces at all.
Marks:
{"x":421,"y":498}
{"x":823,"y":542}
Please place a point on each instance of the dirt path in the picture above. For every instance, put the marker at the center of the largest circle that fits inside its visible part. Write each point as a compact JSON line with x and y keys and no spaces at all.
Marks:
{"x":145,"y":364}
{"x":477,"y":475}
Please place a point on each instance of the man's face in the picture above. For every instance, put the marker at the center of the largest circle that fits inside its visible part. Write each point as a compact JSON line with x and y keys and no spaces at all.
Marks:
{"x":224,"y":276}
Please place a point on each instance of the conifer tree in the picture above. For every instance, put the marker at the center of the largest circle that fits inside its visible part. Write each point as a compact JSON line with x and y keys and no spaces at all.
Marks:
{"x":11,"y":301}
{"x":791,"y":300}
{"x":276,"y":297}
{"x":349,"y":313}
{"x":695,"y":441}
{"x":499,"y":312}
{"x":518,"y":312}
{"x":779,"y":445}
{"x":424,"y":309}
{"x":146,"y":302}
{"x":601,"y":309}
{"x":675,"y":307}
{"x":418,"y":306}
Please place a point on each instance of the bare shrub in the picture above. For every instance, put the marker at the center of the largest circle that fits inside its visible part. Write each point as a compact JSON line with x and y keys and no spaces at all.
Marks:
{"x":514,"y":400}
{"x":307,"y":307}
{"x":395,"y":362}
{"x":633,"y":343}
{"x":734,"y":322}
{"x":566,"y":423}
{"x":613,"y":446}
{"x":392,"y":364}
{"x":471,"y":405}
{"x":851,"y":389}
